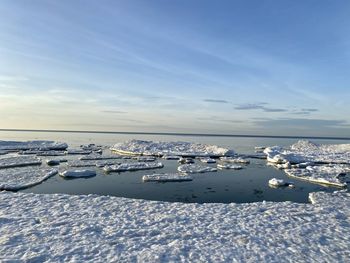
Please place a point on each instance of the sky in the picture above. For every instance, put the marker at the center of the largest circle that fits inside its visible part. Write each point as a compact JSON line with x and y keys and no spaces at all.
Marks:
{"x":193,"y":66}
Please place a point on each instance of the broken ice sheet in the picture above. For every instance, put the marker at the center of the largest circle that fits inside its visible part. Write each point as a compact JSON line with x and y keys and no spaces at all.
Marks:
{"x":78,"y":173}
{"x":166,"y":178}
{"x":19,"y":178}
{"x":18,"y":161}
{"x":194,"y":168}
{"x":132,"y":166}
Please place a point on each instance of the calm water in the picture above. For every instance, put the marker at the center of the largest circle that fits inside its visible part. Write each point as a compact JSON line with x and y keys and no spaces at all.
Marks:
{"x":246,"y":185}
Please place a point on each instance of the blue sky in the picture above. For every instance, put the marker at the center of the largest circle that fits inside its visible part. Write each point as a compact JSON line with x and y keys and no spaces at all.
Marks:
{"x":253,"y":67}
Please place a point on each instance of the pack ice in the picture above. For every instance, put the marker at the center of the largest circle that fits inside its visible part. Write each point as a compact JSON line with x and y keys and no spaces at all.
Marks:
{"x":156,"y":148}
{"x":132,"y":166}
{"x":18,"y":161}
{"x":90,"y":228}
{"x":78,"y":173}
{"x":166,"y":178}
{"x":19,"y":178}
{"x":195,"y":168}
{"x":32,"y":145}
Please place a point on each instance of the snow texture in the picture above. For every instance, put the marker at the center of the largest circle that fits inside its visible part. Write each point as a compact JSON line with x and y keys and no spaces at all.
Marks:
{"x":95,"y":156}
{"x":324,"y":174}
{"x":195,"y":168}
{"x":138,"y":147}
{"x":18,"y":161}
{"x":78,"y":173}
{"x":235,"y":160}
{"x":229,"y":166}
{"x":133,"y":166}
{"x":166,"y":178}
{"x":145,"y":158}
{"x":207,"y":160}
{"x":32,"y":145}
{"x":306,"y":151}
{"x":89,"y":228}
{"x":20,"y":178}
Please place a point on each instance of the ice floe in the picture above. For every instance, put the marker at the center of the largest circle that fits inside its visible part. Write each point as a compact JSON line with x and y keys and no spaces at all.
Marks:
{"x":18,"y":161}
{"x":139,"y":147}
{"x":145,"y":158}
{"x":166,"y":178}
{"x":90,"y":228}
{"x":194,"y":168}
{"x":274,"y":182}
{"x":229,"y":166}
{"x":78,"y":152}
{"x":183,"y":160}
{"x":52,"y":162}
{"x":234,"y":160}
{"x":306,"y":151}
{"x":19,"y":178}
{"x":99,"y":157}
{"x":207,"y":160}
{"x":324,"y":174}
{"x":32,"y":145}
{"x":78,"y":173}
{"x":132,"y":166}
{"x":171,"y":157}
{"x":79,"y":163}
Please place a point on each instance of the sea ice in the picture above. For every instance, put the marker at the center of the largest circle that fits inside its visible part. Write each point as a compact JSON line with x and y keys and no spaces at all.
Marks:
{"x":171,"y":157}
{"x":32,"y":145}
{"x":18,"y":161}
{"x":306,"y":151}
{"x":95,"y":156}
{"x":78,"y":152}
{"x":194,"y":168}
{"x":78,"y":173}
{"x":138,"y":147}
{"x":234,"y":160}
{"x":274,"y":182}
{"x":207,"y":160}
{"x":229,"y":166}
{"x":19,"y":178}
{"x":325,"y":174}
{"x":53,"y":162}
{"x":79,"y":163}
{"x":183,"y":160}
{"x":144,"y":158}
{"x":133,"y":166}
{"x":90,"y":228}
{"x":166,"y":178}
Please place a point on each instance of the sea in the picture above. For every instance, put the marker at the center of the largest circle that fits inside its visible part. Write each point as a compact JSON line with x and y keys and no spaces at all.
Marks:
{"x":224,"y":186}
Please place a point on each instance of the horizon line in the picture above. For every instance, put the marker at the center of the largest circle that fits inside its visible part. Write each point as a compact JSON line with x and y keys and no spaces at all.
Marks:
{"x":182,"y":134}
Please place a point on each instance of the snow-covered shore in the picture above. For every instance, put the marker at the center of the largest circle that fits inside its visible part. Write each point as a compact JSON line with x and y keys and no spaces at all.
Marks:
{"x":63,"y":228}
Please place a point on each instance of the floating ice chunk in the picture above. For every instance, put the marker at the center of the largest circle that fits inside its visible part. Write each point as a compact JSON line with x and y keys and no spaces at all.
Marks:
{"x":207,"y":160}
{"x":234,"y":160}
{"x":256,"y":155}
{"x":92,"y":147}
{"x":99,"y":157}
{"x":20,"y":178}
{"x":259,"y":147}
{"x":78,"y":151}
{"x":78,"y":173}
{"x":32,"y":145}
{"x":171,"y":157}
{"x":185,"y":160}
{"x":132,"y":167}
{"x":274,"y":182}
{"x":103,"y":163}
{"x":166,"y":178}
{"x":51,"y":153}
{"x":194,"y":168}
{"x":4,"y":152}
{"x":138,"y":147}
{"x":306,"y":151}
{"x":144,"y":158}
{"x":53,"y":162}
{"x":325,"y":174}
{"x":229,"y":166}
{"x":78,"y":163}
{"x":18,"y":161}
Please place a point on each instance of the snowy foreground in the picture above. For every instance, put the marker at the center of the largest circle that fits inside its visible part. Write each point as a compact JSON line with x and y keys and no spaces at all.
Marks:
{"x":51,"y":228}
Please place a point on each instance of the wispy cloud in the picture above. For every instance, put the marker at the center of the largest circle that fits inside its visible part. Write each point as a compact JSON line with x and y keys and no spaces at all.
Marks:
{"x":259,"y":106}
{"x":216,"y":101}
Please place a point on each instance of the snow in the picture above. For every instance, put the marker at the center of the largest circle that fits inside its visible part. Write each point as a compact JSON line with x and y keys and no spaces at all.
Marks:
{"x":234,"y":160}
{"x":78,"y":173}
{"x":133,"y":166}
{"x":325,"y":174}
{"x":166,"y":178}
{"x":19,"y":178}
{"x":78,"y":163}
{"x":207,"y":160}
{"x":183,"y":160}
{"x":145,"y":158}
{"x":139,"y":147}
{"x":306,"y":151}
{"x":18,"y":161}
{"x":274,"y":182}
{"x":81,"y":228}
{"x":32,"y":145}
{"x":95,"y":156}
{"x":229,"y":166}
{"x":194,"y":168}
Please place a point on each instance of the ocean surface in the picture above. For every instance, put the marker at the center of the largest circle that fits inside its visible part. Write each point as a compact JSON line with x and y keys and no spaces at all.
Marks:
{"x":240,"y":186}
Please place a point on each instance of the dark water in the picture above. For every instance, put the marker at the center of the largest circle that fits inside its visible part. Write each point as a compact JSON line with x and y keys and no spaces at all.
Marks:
{"x":247,"y":185}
